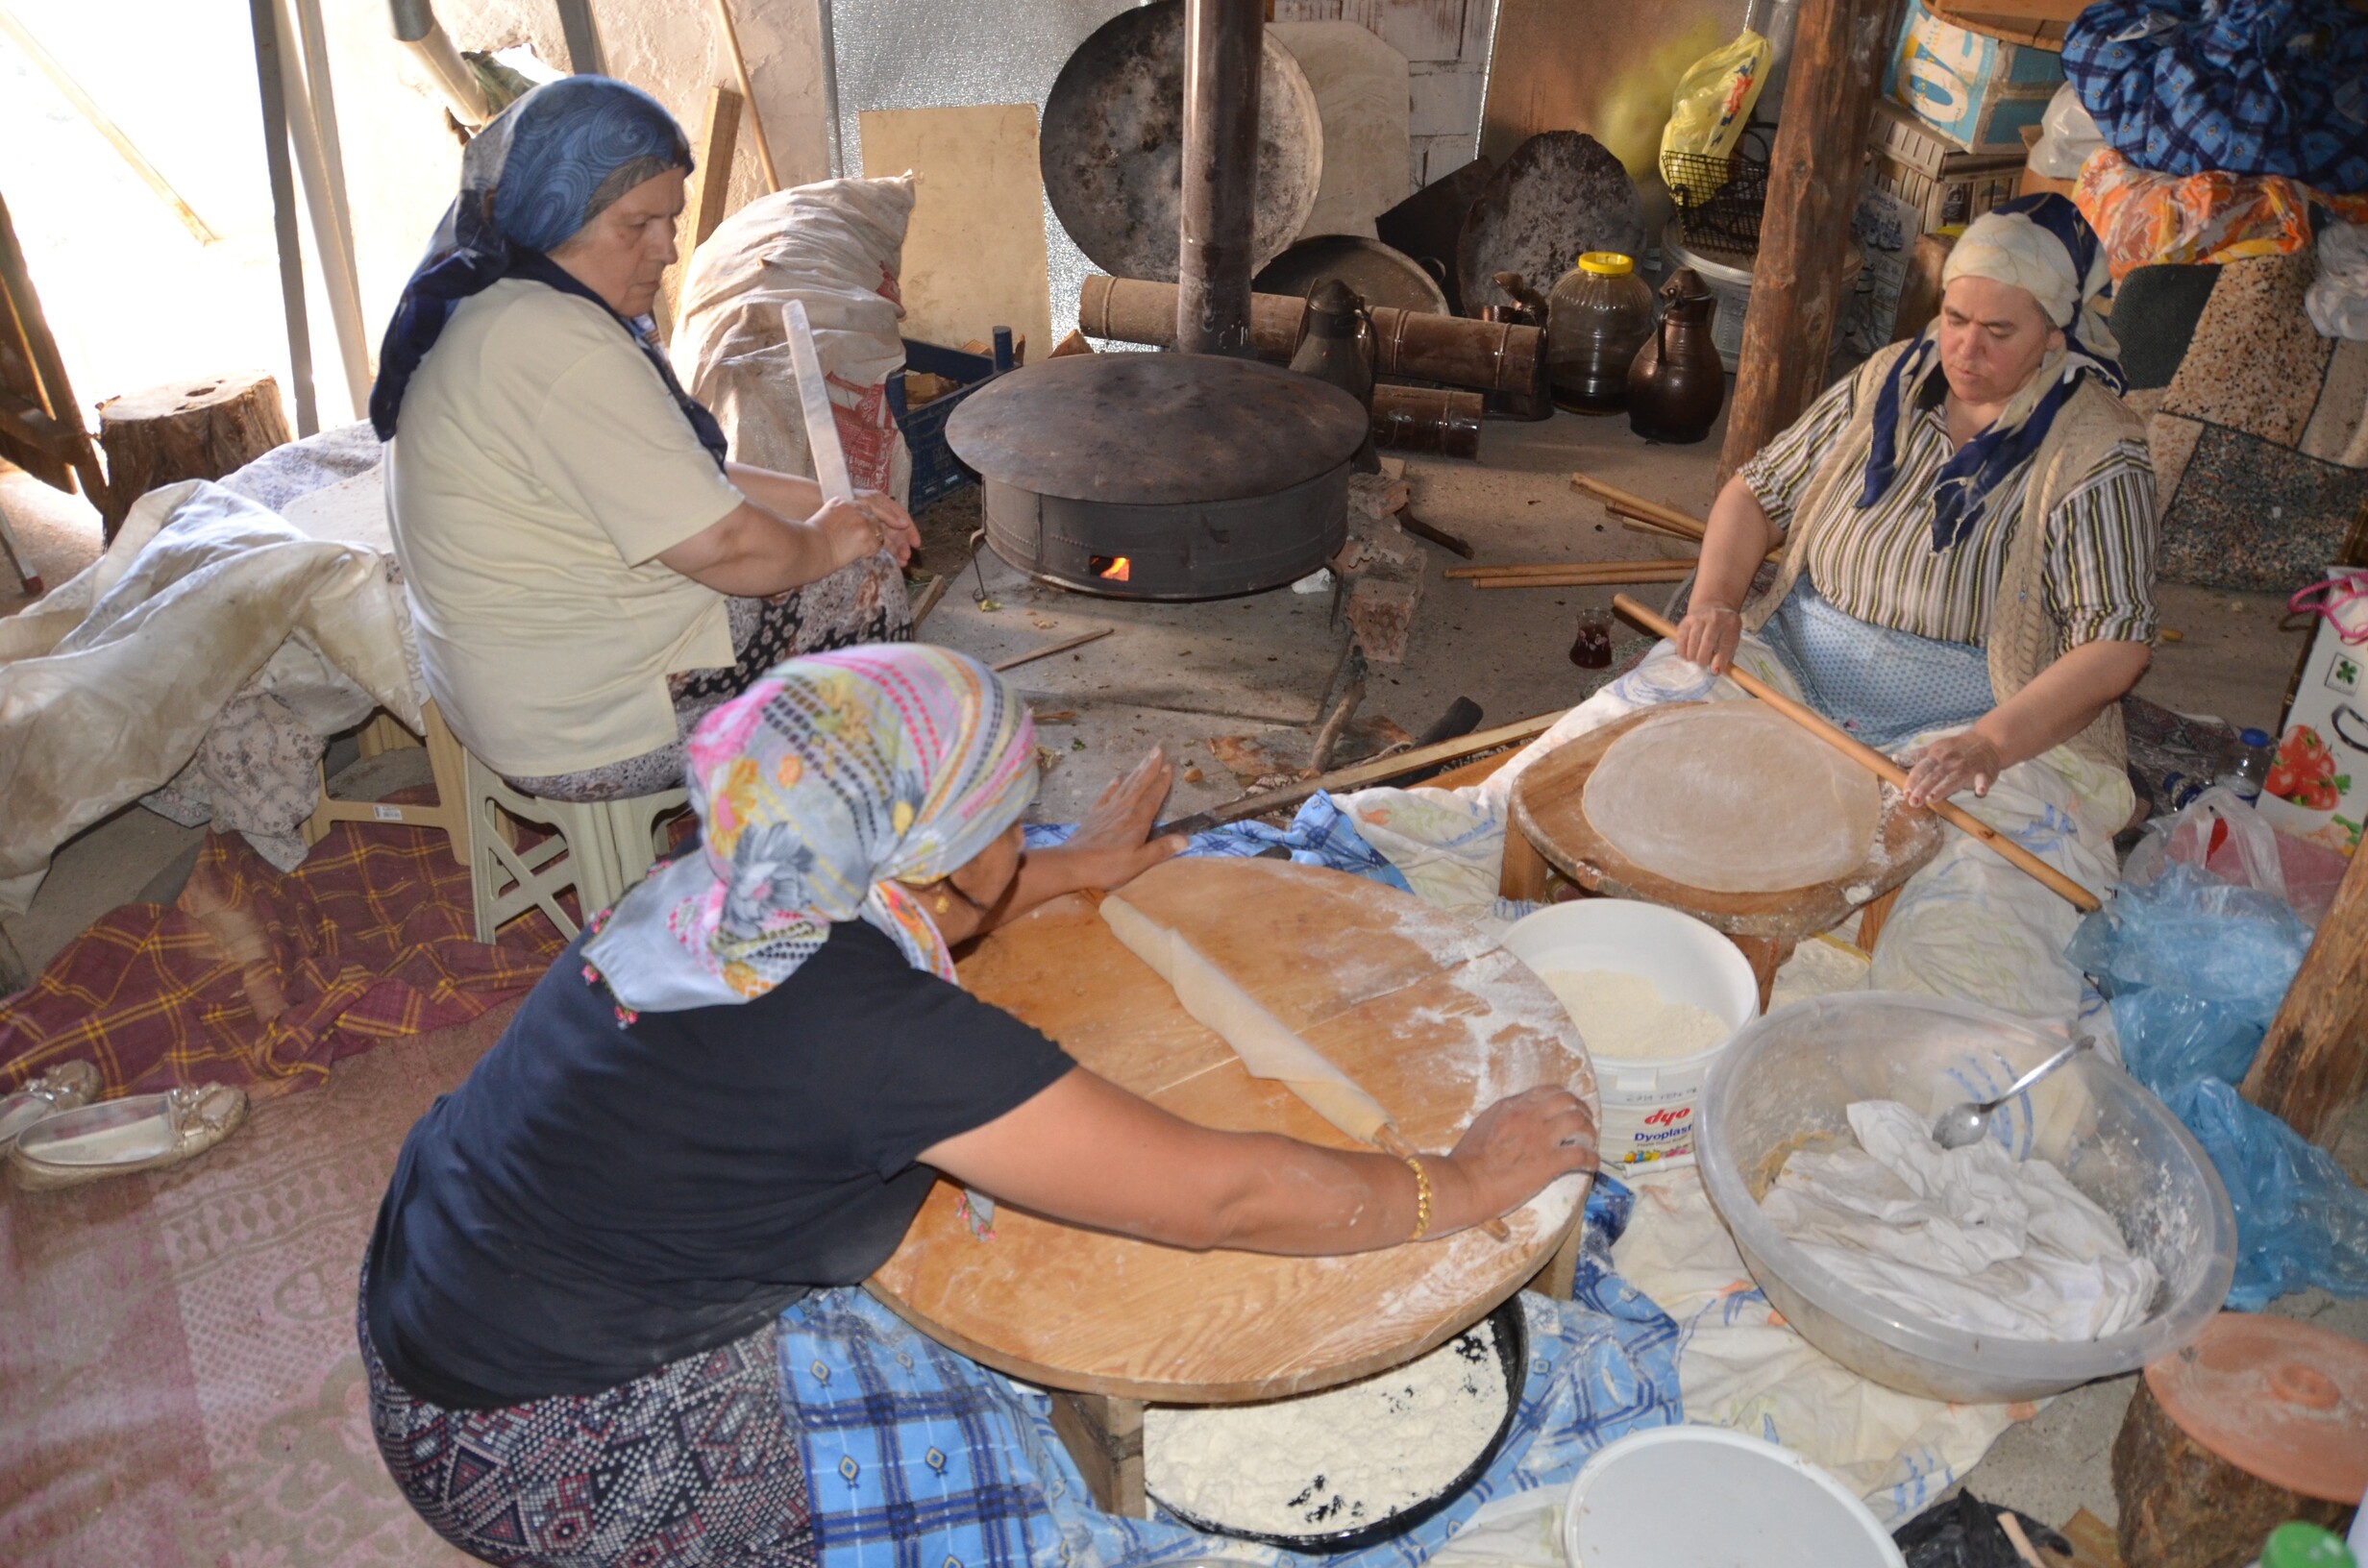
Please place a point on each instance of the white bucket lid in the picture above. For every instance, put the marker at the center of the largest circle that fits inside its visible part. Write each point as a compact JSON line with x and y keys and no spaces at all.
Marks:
{"x":1704,"y":1497}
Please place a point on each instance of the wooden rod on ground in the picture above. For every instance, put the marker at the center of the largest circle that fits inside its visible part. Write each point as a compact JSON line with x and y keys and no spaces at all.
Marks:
{"x":1379,"y":771}
{"x":748,"y":91}
{"x":1883,"y":768}
{"x":1598,"y":579}
{"x":1056,"y":647}
{"x":1556,"y":568}
{"x":87,"y":108}
{"x":1630,"y":505}
{"x":1839,"y":49}
{"x":2313,"y":1063}
{"x":931,"y":594}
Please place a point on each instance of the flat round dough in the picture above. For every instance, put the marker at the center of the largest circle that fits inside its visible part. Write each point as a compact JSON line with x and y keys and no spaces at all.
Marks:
{"x":1733,"y":798}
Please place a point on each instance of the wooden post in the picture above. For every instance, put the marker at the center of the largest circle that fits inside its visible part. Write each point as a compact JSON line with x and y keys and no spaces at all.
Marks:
{"x":710,"y":192}
{"x":748,"y":92}
{"x":264,"y":17}
{"x":185,"y":430}
{"x":2313,"y":1063}
{"x":1813,"y":187}
{"x":1104,"y":1435}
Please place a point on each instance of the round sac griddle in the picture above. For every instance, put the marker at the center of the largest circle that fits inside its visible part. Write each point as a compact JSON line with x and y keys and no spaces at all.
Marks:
{"x":1162,"y":475}
{"x":1112,"y":149}
{"x":1561,"y":193}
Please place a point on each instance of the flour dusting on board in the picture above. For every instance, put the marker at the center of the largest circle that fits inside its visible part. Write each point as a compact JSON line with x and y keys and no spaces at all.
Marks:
{"x":1340,"y":1460}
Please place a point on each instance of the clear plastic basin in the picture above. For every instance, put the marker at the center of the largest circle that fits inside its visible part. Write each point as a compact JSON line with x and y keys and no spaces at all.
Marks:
{"x":1785,"y":1083}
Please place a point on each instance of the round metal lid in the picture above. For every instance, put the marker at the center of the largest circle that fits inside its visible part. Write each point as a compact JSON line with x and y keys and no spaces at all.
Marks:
{"x":2278,"y":1399}
{"x":1155,"y":428}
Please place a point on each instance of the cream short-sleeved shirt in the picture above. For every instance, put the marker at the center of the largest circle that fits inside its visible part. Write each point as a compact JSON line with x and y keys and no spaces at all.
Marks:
{"x":540,"y":469}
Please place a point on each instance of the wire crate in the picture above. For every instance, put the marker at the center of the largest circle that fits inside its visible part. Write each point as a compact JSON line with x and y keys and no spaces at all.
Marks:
{"x":1719,"y":201}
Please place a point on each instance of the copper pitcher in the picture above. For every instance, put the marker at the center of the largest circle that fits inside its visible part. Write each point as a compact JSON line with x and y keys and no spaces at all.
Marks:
{"x":1676,"y":384}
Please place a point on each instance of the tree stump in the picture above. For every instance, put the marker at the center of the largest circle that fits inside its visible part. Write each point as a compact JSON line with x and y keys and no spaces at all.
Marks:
{"x":2184,"y":1506}
{"x":194,"y":430}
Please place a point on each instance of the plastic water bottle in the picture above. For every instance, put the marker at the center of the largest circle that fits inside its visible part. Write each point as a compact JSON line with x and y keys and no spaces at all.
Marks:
{"x":2251,"y":769}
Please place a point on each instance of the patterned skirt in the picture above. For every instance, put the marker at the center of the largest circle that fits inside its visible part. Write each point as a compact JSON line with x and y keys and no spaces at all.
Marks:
{"x":692,"y":1466}
{"x":865,"y":602}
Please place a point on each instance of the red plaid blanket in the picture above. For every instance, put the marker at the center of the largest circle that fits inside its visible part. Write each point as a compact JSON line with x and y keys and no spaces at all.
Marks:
{"x":263,"y":980}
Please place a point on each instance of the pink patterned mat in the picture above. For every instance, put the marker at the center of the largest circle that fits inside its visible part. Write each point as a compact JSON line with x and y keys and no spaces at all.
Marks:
{"x":178,"y":1383}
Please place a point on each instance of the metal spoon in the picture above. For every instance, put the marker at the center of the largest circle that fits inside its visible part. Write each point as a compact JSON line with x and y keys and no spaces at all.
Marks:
{"x":1962,"y":1125}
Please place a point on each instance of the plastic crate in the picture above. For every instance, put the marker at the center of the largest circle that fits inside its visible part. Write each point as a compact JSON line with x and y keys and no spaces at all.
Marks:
{"x":937,"y":472}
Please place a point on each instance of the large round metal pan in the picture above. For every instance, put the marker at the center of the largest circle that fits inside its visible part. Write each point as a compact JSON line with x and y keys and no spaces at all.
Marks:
{"x":1560,"y":194}
{"x":1112,"y":147}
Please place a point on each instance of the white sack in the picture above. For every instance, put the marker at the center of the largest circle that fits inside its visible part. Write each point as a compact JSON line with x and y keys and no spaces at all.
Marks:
{"x":836,"y":245}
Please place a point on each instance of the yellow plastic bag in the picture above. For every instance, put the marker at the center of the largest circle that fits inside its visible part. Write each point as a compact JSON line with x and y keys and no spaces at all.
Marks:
{"x":1713,"y":103}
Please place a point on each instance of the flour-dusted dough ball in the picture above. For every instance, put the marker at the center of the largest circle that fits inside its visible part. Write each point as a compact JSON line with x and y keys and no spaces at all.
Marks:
{"x":1733,"y":798}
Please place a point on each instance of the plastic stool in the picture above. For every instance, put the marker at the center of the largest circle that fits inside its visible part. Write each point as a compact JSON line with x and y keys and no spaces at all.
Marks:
{"x":383,"y":733}
{"x":600,"y":848}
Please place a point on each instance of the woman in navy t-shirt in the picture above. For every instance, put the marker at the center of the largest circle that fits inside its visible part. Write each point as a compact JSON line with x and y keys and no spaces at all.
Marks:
{"x":740,"y":1086}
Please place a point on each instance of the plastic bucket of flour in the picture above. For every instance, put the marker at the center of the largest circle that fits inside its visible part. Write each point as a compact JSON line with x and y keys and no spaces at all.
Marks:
{"x":1704,"y":1497}
{"x":1648,"y":1107}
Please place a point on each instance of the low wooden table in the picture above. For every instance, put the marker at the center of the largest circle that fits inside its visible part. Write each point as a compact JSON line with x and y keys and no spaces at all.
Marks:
{"x":1415,"y":1004}
{"x":1549,"y":832}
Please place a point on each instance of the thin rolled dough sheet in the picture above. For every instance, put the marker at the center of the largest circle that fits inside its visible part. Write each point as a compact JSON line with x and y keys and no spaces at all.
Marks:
{"x":1266,"y":1047}
{"x":1733,"y":798}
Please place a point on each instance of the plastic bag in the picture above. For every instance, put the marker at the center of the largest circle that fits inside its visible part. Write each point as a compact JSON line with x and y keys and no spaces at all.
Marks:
{"x":2234,"y":842}
{"x":2194,"y":969}
{"x":2067,"y":134}
{"x":2300,"y":1220}
{"x":1713,"y":101}
{"x":2148,"y":219}
{"x":2339,"y":300}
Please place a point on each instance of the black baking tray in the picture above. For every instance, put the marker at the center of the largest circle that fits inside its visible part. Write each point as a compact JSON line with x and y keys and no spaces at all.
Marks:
{"x":1511,"y":1327}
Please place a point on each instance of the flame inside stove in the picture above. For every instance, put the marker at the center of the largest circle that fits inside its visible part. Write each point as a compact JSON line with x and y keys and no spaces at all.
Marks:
{"x":1114,"y":568}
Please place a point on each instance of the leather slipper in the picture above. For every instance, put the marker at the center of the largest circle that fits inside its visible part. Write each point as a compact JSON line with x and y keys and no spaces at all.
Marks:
{"x":62,"y":1087}
{"x":115,"y":1137}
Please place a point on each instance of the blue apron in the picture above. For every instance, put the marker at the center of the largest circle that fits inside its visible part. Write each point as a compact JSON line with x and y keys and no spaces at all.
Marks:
{"x":1881,"y":685}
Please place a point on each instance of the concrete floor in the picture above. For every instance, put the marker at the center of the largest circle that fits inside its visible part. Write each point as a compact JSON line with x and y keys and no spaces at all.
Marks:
{"x":1181,"y":674}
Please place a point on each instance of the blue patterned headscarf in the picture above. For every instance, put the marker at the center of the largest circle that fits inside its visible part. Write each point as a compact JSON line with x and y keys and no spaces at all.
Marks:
{"x":2042,"y":245}
{"x":545,"y":167}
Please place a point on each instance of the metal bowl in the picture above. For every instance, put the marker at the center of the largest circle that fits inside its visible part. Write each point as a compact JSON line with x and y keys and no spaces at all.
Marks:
{"x":1511,"y":1327}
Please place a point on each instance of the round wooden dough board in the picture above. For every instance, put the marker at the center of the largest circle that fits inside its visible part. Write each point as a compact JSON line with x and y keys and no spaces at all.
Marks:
{"x":1417,"y":1005}
{"x":1547,"y":810}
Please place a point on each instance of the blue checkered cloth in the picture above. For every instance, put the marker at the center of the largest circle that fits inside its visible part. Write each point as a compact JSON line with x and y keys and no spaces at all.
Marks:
{"x":916,"y":1457}
{"x":2252,"y":86}
{"x":1322,"y":834}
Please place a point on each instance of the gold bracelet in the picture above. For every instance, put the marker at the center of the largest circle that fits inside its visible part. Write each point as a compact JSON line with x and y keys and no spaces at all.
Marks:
{"x":1422,"y":1197}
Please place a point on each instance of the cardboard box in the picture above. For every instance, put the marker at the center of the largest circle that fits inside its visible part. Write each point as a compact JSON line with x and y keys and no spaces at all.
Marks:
{"x":2318,"y":783}
{"x":1956,"y":198}
{"x":1975,"y":91}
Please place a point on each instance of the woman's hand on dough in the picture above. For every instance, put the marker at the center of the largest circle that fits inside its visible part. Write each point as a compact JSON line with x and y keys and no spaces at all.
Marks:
{"x":853,"y":533}
{"x":1113,"y":845}
{"x":1710,"y":635}
{"x":1512,"y":1149}
{"x":1950,"y":764}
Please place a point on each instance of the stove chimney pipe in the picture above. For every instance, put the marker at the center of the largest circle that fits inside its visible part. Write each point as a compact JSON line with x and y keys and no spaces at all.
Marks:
{"x":1224,"y":41}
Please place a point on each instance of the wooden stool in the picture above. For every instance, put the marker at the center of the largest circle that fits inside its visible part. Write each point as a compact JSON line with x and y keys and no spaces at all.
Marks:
{"x":197,"y":430}
{"x":601,"y":848}
{"x":384,"y":733}
{"x":1549,"y":832}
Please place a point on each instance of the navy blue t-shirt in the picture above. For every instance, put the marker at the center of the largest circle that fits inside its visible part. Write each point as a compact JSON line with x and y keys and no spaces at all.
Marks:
{"x":598,"y":1200}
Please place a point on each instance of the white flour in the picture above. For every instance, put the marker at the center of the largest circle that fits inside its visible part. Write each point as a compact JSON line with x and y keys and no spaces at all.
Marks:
{"x":1346,"y":1457}
{"x":1967,"y":1238}
{"x":1625,"y":1018}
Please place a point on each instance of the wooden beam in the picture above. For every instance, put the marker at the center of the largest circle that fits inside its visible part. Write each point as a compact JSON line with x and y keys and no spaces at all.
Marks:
{"x":1796,"y":282}
{"x":748,"y":91}
{"x":1104,"y":1435}
{"x":70,"y":442}
{"x":263,"y":19}
{"x":2313,"y":1063}
{"x":709,"y":197}
{"x":89,"y":108}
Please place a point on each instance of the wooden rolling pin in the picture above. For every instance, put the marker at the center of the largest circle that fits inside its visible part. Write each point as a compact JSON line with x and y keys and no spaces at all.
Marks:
{"x":1629,"y":505}
{"x":1883,"y":768}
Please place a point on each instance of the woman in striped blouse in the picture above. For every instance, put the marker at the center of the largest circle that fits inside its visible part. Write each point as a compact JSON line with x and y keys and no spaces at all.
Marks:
{"x":1968,"y":582}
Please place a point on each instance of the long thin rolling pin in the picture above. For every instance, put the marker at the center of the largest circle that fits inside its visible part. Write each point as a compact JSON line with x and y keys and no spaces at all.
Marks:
{"x":821,"y":426}
{"x":1883,"y":768}
{"x":1630,"y":505}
